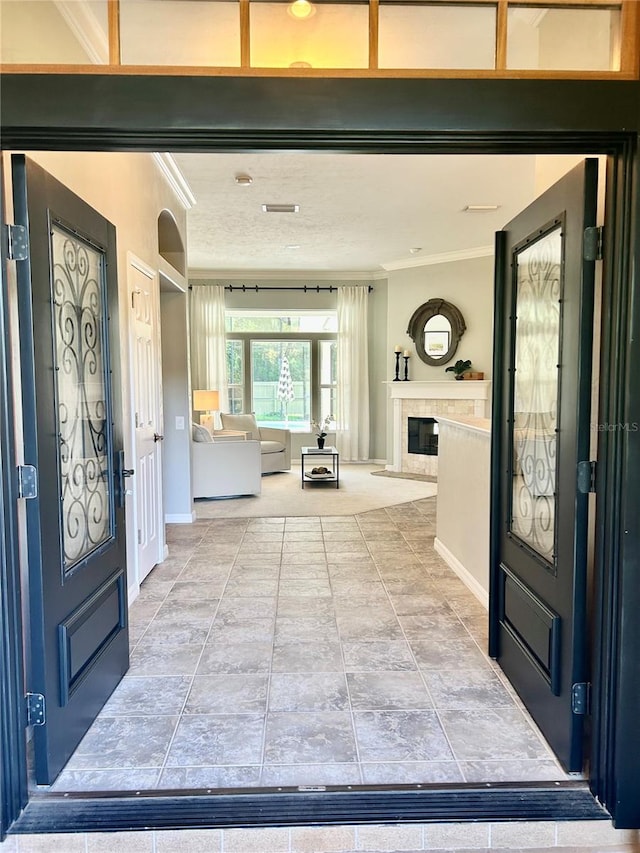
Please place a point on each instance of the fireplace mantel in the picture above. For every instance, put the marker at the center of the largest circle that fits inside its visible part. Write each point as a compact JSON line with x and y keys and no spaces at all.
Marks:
{"x":415,"y":398}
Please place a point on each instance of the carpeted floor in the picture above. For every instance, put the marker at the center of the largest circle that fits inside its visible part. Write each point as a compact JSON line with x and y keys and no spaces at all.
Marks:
{"x":282,"y":495}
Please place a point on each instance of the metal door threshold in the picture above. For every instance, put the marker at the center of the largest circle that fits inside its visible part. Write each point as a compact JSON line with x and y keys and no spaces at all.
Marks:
{"x":282,"y":807}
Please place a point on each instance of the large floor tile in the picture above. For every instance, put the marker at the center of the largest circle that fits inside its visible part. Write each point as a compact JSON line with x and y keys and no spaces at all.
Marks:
{"x":377,"y":655}
{"x":106,"y":780}
{"x":441,"y":654}
{"x":241,"y":630}
{"x":533,"y":770}
{"x":149,"y":658}
{"x":495,"y":734}
{"x":218,"y":739}
{"x":411,"y":772}
{"x":211,"y":777}
{"x":228,"y":694}
{"x":326,"y":773}
{"x":387,"y":691}
{"x":124,"y":742}
{"x":235,"y":658}
{"x":306,"y":629}
{"x":400,"y":736}
{"x":309,"y":738}
{"x":308,"y":691}
{"x":140,"y":696}
{"x":466,"y":689}
{"x":321,"y":656}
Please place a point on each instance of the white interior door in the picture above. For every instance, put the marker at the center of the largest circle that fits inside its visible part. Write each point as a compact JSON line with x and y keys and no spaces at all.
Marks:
{"x":147,"y":414}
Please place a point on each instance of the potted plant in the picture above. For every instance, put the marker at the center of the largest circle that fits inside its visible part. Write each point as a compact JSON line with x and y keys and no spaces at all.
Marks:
{"x":321,"y":428}
{"x":459,"y":368}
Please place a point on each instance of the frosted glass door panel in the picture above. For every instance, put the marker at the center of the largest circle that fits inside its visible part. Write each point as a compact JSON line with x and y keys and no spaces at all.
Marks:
{"x":563,"y":39}
{"x":180,"y":32}
{"x":535,"y":393}
{"x":414,"y":36}
{"x":82,"y":398}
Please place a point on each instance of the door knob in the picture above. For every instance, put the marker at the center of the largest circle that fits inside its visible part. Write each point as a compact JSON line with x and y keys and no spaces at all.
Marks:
{"x":157,"y":437}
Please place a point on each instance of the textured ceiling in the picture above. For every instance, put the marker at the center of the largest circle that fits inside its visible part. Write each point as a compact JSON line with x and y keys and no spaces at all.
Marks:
{"x":358,"y":212}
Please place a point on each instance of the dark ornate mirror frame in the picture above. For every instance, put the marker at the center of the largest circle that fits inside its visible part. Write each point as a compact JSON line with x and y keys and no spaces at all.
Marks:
{"x":419,"y":320}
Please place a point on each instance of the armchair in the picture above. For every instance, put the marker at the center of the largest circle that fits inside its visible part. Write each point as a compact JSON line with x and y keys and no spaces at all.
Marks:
{"x":224,"y":468}
{"x":275,"y":444}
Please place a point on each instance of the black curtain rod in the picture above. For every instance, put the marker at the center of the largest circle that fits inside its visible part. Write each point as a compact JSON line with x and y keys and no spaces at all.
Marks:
{"x":256,"y":288}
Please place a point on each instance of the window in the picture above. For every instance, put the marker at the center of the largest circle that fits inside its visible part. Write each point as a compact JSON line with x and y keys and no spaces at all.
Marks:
{"x":282,"y":366}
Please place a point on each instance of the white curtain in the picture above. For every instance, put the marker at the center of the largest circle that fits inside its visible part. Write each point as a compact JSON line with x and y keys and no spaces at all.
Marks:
{"x":352,"y":434}
{"x":208,"y":343}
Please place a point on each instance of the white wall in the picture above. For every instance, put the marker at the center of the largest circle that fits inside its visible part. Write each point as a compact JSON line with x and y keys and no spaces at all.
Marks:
{"x":130,"y":191}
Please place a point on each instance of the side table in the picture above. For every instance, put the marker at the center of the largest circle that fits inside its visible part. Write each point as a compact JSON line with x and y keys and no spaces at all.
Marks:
{"x":326,"y":453}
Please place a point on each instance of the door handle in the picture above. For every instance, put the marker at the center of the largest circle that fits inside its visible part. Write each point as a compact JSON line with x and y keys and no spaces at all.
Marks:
{"x":121,"y":474}
{"x":157,"y":437}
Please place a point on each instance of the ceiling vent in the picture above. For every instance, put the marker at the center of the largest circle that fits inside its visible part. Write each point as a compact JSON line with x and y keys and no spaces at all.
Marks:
{"x":281,"y":208}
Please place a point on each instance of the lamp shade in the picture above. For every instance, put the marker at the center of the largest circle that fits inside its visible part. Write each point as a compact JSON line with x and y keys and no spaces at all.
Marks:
{"x":206,"y":401}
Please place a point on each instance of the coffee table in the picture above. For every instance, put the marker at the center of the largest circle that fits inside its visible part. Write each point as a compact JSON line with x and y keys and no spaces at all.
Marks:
{"x":328,"y":453}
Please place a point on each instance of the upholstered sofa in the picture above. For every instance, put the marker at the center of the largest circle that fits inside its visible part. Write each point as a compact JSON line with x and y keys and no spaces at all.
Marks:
{"x":275,"y":444}
{"x":224,"y":467}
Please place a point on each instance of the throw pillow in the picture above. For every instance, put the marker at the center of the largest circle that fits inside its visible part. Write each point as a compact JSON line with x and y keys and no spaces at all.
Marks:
{"x":201,"y":434}
{"x":245,"y":423}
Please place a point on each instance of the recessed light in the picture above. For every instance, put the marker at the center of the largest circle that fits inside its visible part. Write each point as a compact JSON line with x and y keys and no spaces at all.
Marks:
{"x":243,"y":180}
{"x":292,"y":246}
{"x":281,"y":208}
{"x":415,"y":250}
{"x":480,"y":207}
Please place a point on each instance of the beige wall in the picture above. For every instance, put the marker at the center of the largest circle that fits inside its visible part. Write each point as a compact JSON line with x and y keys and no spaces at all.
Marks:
{"x":468,"y":285}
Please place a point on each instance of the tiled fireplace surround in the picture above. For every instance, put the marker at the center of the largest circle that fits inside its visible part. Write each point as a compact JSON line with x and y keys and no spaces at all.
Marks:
{"x":421,"y":399}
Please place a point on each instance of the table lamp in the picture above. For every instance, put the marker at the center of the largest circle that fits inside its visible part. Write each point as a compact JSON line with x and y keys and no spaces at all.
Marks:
{"x":206,"y":401}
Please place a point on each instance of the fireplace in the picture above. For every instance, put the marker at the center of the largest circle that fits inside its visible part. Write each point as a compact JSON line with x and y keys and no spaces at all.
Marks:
{"x":422,"y":399}
{"x":422,"y":436}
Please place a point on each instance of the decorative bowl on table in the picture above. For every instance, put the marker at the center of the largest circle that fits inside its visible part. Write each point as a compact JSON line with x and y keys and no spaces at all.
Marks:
{"x":319,"y":473}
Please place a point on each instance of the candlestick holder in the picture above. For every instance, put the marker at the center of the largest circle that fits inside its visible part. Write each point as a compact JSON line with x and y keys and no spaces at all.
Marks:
{"x":406,"y":368}
{"x":397,"y":379}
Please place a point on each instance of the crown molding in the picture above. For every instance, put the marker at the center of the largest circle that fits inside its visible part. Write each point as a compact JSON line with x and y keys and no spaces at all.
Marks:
{"x":286,"y":275}
{"x":175,"y":179}
{"x":440,"y":258}
{"x":86,"y":28}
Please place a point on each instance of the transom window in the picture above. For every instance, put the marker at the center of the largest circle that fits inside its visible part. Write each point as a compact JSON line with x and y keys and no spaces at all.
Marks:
{"x":297,"y":37}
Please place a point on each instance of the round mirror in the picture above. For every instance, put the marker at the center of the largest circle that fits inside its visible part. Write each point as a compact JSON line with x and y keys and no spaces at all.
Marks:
{"x":436,"y":328}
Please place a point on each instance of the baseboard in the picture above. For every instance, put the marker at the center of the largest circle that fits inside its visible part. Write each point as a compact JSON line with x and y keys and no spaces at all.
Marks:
{"x":180,"y":518}
{"x":464,"y":574}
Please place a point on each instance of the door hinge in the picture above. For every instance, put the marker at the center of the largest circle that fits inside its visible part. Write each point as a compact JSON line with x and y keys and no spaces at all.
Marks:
{"x":27,"y":481}
{"x":592,"y":243}
{"x":15,"y":242}
{"x":580,"y":698}
{"x":36,"y":712}
{"x":587,"y":477}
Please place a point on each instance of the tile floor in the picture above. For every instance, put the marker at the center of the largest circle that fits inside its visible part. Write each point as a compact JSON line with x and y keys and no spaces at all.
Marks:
{"x":308,"y":651}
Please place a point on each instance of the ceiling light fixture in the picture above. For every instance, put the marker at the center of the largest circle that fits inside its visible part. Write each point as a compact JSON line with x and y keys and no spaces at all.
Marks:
{"x":292,"y":246}
{"x":472,"y":208}
{"x":415,"y":250}
{"x":300,"y":64}
{"x":301,"y":9}
{"x":243,"y":180}
{"x":280,"y":208}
